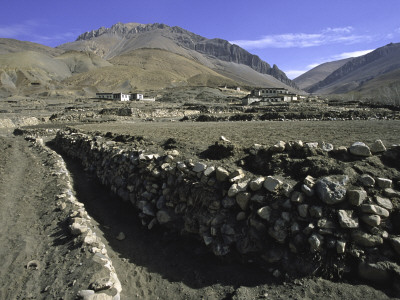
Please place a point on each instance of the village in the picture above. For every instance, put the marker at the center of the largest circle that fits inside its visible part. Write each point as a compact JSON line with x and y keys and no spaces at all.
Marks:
{"x":258,"y":96}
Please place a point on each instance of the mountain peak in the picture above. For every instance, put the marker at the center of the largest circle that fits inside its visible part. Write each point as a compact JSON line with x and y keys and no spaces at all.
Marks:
{"x":122,"y":38}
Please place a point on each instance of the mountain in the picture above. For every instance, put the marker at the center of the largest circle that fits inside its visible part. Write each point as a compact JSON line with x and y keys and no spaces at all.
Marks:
{"x":217,"y":54}
{"x":130,"y":57}
{"x":13,"y":46}
{"x":318,"y":73}
{"x":144,"y":69}
{"x":356,"y":74}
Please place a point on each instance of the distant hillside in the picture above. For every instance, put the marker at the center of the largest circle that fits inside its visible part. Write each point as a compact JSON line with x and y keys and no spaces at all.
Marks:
{"x":318,"y":73}
{"x":148,"y":68}
{"x":217,"y":54}
{"x":356,"y":73}
{"x":14,"y":46}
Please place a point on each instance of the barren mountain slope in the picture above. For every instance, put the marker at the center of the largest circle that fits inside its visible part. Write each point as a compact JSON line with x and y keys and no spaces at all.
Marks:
{"x":360,"y":70}
{"x":12,"y":46}
{"x":123,"y":38}
{"x":80,"y":62}
{"x":318,"y":73}
{"x":148,"y":69}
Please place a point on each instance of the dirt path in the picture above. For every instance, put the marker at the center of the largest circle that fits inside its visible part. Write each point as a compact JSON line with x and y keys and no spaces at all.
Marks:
{"x":33,"y":230}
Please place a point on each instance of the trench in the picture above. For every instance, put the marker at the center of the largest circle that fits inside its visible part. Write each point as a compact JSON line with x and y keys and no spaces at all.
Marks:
{"x":156,"y":263}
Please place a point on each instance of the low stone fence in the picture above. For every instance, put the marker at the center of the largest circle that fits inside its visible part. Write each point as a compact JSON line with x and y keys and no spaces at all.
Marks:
{"x":297,"y":208}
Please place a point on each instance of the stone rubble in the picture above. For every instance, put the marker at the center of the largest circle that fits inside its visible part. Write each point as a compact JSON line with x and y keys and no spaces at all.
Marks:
{"x":348,"y":215}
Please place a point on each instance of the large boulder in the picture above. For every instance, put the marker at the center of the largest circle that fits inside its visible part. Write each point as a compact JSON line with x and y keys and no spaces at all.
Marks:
{"x":332,"y":189}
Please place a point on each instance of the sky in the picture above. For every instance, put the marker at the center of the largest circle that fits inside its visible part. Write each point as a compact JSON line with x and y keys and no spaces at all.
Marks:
{"x":296,"y":35}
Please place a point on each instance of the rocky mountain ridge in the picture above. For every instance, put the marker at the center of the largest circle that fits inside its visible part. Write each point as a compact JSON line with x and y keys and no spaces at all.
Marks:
{"x":360,"y":70}
{"x":126,"y":34}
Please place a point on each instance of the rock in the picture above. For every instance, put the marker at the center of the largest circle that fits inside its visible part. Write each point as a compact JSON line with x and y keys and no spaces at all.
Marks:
{"x":303,"y":210}
{"x":367,"y":180}
{"x":278,"y":147}
{"x":297,"y":197}
{"x":340,"y":247}
{"x":295,"y":228}
{"x":256,"y":183}
{"x":242,"y":199}
{"x":389,"y":192}
{"x":395,"y":241}
{"x":121,"y":236}
{"x":384,"y":202}
{"x":307,"y":190}
{"x":164,"y":217}
{"x":272,"y":184}
{"x":237,"y":188}
{"x":327,"y":147}
{"x":313,"y":145}
{"x":309,"y":181}
{"x":331,"y":190}
{"x":346,"y":219}
{"x":77,"y":228}
{"x":228,"y":202}
{"x":258,"y":198}
{"x":371,"y":220}
{"x":101,"y":284}
{"x":264,"y":213}
{"x":365,"y":239}
{"x":378,"y":147}
{"x":324,"y":223}
{"x":286,"y":189}
{"x":315,"y":242}
{"x":209,"y":171}
{"x":236,"y":175}
{"x":222,"y":138}
{"x":360,"y":149}
{"x":221,"y":174}
{"x":384,"y":183}
{"x":241,"y":216}
{"x":374,"y":272}
{"x":199,"y":167}
{"x":316,"y":211}
{"x":297,"y":145}
{"x":84,"y":294}
{"x":375,"y":209}
{"x":278,"y":231}
{"x":356,"y":196}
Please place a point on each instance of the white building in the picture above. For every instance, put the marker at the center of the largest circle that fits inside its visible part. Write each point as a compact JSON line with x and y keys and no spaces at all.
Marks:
{"x":113,"y":96}
{"x":268,"y":95}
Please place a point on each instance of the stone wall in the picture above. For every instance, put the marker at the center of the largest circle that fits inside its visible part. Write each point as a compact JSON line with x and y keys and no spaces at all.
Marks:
{"x":296,"y":208}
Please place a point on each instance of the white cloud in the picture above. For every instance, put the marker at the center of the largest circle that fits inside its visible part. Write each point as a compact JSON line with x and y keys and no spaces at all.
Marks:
{"x":14,"y":31}
{"x":351,"y":54}
{"x":302,"y":40}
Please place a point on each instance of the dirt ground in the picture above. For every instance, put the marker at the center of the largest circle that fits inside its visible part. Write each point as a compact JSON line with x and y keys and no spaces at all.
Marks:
{"x":149,"y":264}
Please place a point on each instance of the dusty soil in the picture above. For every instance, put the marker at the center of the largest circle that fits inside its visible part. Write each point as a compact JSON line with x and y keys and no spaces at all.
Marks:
{"x":192,"y":138}
{"x":150,"y":264}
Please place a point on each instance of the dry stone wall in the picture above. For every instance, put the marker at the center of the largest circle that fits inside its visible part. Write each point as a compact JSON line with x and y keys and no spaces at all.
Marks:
{"x":297,"y":208}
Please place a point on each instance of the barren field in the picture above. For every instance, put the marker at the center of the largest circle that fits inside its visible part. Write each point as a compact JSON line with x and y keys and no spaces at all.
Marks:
{"x":150,"y":264}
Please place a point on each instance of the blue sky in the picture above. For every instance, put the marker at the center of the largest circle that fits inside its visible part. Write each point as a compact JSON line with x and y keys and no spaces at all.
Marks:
{"x":295,"y":35}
